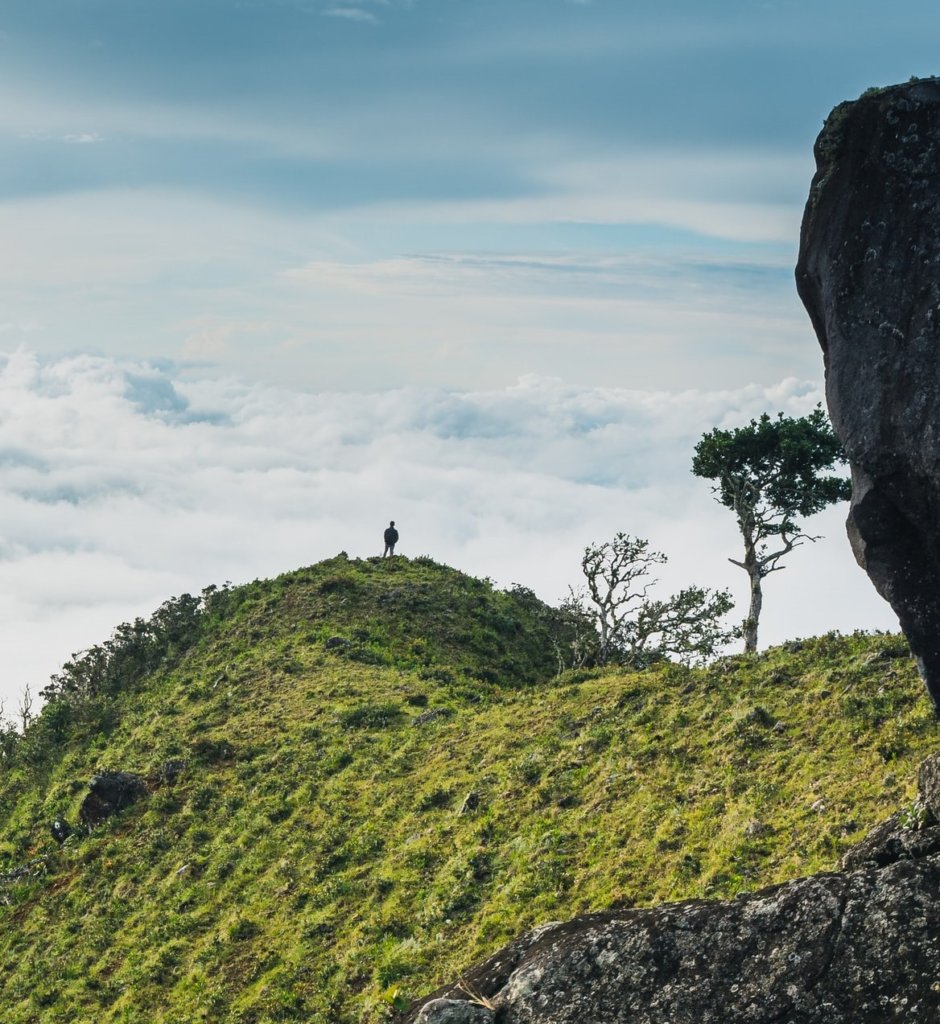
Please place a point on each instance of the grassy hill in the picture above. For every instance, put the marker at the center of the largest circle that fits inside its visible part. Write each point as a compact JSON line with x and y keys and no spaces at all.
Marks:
{"x":385,"y":780}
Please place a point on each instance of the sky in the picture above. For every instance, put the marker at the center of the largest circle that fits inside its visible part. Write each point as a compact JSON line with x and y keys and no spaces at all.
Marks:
{"x":277,"y":271}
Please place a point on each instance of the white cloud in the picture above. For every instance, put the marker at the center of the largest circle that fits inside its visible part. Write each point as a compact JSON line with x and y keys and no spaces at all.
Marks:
{"x":121,"y":484}
{"x":35,"y":111}
{"x":351,"y":14}
{"x":83,"y":138}
{"x":72,"y":138}
{"x":731,"y":192}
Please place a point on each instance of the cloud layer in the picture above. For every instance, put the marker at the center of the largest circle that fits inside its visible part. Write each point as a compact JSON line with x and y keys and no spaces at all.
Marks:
{"x":124,"y":483}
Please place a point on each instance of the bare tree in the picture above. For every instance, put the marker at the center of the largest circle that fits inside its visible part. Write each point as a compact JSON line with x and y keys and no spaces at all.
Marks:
{"x":26,"y":708}
{"x":616,"y":573}
{"x":574,"y":639}
{"x":633,"y":628}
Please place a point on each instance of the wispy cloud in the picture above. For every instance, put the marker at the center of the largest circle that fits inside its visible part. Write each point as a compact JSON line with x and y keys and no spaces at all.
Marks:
{"x":746,"y":197}
{"x":71,"y":138}
{"x":152,"y":271}
{"x":642,"y":319}
{"x":83,"y":138}
{"x":20,"y":327}
{"x":351,"y":14}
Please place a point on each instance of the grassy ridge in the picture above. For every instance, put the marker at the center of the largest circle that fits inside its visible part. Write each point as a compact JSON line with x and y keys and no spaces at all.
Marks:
{"x":360,"y":819}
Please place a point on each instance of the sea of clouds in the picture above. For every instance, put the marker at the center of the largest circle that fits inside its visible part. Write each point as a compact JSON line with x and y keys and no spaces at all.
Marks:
{"x":123,"y":483}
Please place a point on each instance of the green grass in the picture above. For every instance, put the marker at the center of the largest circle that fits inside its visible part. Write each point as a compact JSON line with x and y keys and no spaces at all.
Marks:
{"x":319,"y":861}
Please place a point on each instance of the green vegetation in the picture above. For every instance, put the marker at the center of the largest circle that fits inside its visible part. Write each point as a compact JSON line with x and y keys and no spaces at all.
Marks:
{"x":385,"y":781}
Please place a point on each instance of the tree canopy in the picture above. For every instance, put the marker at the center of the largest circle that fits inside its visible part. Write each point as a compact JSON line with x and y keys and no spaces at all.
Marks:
{"x":771,"y":474}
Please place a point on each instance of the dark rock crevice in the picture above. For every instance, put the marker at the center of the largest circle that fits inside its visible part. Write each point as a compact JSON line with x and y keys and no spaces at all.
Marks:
{"x":830,"y":944}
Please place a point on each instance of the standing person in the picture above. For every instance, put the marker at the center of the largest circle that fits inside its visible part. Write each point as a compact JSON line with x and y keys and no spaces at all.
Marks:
{"x":391,"y":539}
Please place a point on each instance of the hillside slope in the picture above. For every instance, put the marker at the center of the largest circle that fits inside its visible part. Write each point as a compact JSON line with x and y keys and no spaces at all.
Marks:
{"x":385,"y":781}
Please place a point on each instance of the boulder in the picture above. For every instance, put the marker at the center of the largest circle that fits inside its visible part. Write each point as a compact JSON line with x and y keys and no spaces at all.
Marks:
{"x":110,"y":792}
{"x":868,"y":276}
{"x":859,"y":946}
{"x":60,"y":830}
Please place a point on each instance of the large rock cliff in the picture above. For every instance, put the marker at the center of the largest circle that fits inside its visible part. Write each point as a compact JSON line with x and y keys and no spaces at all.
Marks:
{"x":869,"y":275}
{"x":860,"y":946}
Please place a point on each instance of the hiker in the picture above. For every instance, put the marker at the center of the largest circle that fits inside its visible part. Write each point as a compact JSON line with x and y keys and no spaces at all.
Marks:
{"x":391,"y":539}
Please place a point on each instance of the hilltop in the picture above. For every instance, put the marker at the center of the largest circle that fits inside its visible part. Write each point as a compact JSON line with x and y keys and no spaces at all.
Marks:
{"x":382,"y":778}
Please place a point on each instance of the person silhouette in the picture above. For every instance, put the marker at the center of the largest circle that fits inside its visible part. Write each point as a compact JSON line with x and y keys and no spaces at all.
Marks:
{"x":391,"y":539}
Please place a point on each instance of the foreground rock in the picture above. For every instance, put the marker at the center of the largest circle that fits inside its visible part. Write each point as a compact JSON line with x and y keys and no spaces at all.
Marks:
{"x":868,"y":275}
{"x":857,"y":947}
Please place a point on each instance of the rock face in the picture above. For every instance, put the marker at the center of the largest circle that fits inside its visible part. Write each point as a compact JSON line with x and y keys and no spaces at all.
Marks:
{"x":110,"y":792}
{"x":454,"y":1011}
{"x":869,"y":275}
{"x":857,"y":947}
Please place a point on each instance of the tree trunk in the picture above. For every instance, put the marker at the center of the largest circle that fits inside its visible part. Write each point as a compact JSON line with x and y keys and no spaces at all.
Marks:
{"x":752,"y":566}
{"x":753,"y":612}
{"x":604,"y":648}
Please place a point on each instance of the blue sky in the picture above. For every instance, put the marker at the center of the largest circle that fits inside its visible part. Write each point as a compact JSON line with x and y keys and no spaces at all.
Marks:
{"x":550,"y":241}
{"x":169,"y":169}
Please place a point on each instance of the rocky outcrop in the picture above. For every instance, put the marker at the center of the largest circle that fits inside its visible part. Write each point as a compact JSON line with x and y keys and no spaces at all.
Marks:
{"x":869,"y":275}
{"x":60,"y":830}
{"x":861,"y":946}
{"x":110,"y":792}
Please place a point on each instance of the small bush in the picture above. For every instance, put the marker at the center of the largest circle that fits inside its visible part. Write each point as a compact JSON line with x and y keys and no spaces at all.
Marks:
{"x":371,"y":716}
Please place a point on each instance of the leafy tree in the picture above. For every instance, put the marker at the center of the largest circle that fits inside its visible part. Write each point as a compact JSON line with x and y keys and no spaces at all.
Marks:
{"x":135,"y":649}
{"x":85,"y":694}
{"x":634,"y":629}
{"x":771,"y":474}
